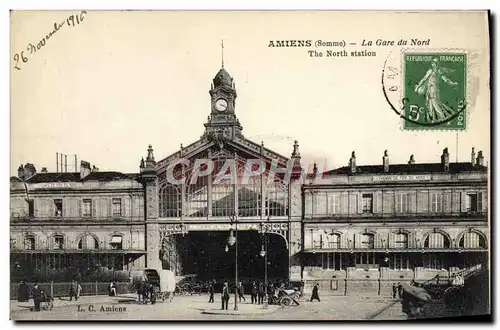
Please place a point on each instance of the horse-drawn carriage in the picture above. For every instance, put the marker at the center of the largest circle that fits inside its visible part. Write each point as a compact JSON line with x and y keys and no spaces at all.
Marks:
{"x":285,"y":297}
{"x":161,"y":281}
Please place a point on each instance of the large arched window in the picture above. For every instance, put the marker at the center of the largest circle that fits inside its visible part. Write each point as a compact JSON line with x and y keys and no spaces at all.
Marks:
{"x":29,"y":242}
{"x":436,"y":240}
{"x":170,"y":201}
{"x":472,"y":240}
{"x":88,"y":242}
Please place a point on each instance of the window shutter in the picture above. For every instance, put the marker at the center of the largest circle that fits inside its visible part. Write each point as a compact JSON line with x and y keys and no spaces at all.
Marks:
{"x":357,"y":241}
{"x":392,"y":240}
{"x":343,"y":241}
{"x":377,"y":202}
{"x":480,"y":202}
{"x":463,"y":202}
{"x":79,"y":209}
{"x":447,"y":201}
{"x":307,"y":240}
{"x":344,"y":202}
{"x":377,"y":244}
{"x":94,"y":207}
{"x":412,"y":202}
{"x":411,"y":240}
{"x":360,"y":202}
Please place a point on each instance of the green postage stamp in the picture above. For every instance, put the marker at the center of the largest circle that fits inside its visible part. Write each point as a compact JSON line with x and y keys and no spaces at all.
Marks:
{"x":434,"y":95}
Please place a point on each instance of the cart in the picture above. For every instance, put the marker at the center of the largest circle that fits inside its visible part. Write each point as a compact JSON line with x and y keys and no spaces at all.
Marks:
{"x":285,"y":298}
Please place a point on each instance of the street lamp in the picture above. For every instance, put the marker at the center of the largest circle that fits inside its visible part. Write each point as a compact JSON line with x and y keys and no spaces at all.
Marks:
{"x":263,"y":253}
{"x":232,"y":240}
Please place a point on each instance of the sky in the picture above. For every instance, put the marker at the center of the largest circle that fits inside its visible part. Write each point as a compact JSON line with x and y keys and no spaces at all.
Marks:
{"x":108,"y":87}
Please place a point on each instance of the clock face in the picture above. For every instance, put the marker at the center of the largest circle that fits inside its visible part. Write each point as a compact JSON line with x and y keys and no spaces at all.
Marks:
{"x":221,"y":105}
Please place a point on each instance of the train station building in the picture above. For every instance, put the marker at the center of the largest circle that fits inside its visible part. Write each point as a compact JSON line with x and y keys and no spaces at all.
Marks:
{"x":358,"y":227}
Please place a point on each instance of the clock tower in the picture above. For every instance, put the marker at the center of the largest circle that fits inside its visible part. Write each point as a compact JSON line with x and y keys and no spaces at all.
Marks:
{"x":222,"y":122}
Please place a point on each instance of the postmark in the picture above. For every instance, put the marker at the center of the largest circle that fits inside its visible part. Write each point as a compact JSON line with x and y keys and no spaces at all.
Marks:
{"x":428,"y":89}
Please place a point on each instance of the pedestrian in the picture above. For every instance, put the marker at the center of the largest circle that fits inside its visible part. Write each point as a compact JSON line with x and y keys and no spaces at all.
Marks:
{"x":211,"y":290}
{"x":400,"y":290}
{"x":152,"y":294}
{"x":37,"y":297}
{"x":137,"y":289}
{"x":315,"y":295}
{"x":270,"y":292}
{"x":255,"y":291}
{"x":261,"y":293}
{"x":78,"y":290}
{"x":394,"y":290}
{"x":225,"y":296}
{"x":72,"y":290}
{"x":23,"y":292}
{"x":241,"y":293}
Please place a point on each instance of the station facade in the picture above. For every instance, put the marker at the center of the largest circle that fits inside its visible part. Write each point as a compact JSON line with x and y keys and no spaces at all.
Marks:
{"x":358,"y":224}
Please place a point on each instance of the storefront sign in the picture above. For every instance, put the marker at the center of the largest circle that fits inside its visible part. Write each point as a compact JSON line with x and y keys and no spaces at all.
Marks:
{"x":49,"y":185}
{"x":392,"y":178}
{"x":221,"y":226}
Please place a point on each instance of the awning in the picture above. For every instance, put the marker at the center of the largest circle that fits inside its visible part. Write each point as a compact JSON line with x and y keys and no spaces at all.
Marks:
{"x":116,"y":240}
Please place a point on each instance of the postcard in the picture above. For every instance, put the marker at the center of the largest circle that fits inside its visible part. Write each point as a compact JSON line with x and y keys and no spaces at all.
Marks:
{"x":249,"y":165}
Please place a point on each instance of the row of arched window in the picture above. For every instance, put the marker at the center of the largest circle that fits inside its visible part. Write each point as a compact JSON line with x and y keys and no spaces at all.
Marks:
{"x":59,"y":242}
{"x":401,"y":240}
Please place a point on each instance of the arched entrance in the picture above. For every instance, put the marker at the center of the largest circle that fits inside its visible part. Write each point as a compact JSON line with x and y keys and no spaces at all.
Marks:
{"x":209,"y":255}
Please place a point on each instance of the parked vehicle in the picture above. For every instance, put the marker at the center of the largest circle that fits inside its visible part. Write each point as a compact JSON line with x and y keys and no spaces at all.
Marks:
{"x":163,"y":282}
{"x":285,"y":297}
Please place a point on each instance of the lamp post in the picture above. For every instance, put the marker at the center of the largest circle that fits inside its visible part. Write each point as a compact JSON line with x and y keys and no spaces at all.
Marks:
{"x":232,"y":240}
{"x":263,"y":253}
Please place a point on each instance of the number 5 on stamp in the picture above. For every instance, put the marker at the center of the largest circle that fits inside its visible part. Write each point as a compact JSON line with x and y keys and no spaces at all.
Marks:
{"x":435,"y":90}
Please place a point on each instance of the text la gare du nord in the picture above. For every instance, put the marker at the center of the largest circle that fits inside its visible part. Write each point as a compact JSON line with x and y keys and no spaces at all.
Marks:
{"x":342,"y":44}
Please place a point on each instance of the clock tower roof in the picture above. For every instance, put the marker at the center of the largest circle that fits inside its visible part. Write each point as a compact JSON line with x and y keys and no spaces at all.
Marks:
{"x":222,"y":78}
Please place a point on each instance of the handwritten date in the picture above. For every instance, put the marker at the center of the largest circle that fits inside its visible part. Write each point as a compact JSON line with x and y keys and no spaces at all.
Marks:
{"x":72,"y":20}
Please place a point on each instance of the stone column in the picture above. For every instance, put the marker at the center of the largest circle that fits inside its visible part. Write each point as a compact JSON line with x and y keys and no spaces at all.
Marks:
{"x":295,"y":232}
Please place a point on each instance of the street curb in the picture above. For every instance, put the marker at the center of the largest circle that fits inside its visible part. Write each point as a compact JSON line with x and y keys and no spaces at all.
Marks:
{"x":238,"y":313}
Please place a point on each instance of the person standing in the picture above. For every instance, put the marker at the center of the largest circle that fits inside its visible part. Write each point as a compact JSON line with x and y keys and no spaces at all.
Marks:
{"x":254,"y":292}
{"x":78,"y":290}
{"x":240,"y":292}
{"x":225,"y":296}
{"x":37,"y":297}
{"x":400,"y":290}
{"x":315,"y":294}
{"x":211,"y":290}
{"x":72,"y":290}
{"x":394,"y":290}
{"x":23,"y":292}
{"x":262,"y":293}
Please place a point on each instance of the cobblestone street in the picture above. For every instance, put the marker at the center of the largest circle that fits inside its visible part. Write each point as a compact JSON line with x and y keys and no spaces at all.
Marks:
{"x":197,"y":308}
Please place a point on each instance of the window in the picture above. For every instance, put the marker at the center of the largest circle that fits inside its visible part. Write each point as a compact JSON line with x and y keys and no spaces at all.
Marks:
{"x":367,"y":203}
{"x":31,"y":208}
{"x":367,"y":241}
{"x":29,"y":242}
{"x":436,"y":241}
{"x":334,"y":241}
{"x":58,"y":242}
{"x":472,"y":241}
{"x":402,"y":203}
{"x":334,"y":204}
{"x":88,"y":242}
{"x":400,"y":261}
{"x":116,"y":242}
{"x":401,"y":241}
{"x":87,"y":208}
{"x":117,"y":207}
{"x":436,"y":202}
{"x":58,"y":205}
{"x":474,"y":202}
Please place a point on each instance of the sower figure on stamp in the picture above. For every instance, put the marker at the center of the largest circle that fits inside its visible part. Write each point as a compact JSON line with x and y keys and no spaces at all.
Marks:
{"x":429,"y":86}
{"x":315,"y":294}
{"x":211,"y":290}
{"x":225,"y":296}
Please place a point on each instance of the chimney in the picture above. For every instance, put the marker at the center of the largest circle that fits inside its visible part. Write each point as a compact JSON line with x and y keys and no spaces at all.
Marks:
{"x":315,"y":170}
{"x":352,"y":163}
{"x":44,"y":170}
{"x":385,"y":161}
{"x":473,"y":156}
{"x":29,"y":170}
{"x":480,"y":158}
{"x":445,"y":160}
{"x":412,"y":160}
{"x":20,"y":172}
{"x":84,"y":169}
{"x":95,"y":169}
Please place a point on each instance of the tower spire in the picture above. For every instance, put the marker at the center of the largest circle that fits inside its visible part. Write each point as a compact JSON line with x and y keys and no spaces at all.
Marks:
{"x":222,"y":48}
